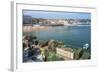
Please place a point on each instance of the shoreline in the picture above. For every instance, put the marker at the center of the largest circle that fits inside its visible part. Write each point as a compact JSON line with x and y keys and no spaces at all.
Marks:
{"x":36,"y":28}
{"x":33,"y":28}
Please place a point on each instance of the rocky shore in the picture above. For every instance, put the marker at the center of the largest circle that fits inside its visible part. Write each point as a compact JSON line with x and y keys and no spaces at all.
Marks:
{"x":50,"y":50}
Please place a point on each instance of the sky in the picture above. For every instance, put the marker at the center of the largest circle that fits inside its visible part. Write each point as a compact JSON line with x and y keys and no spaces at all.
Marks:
{"x":57,"y":15}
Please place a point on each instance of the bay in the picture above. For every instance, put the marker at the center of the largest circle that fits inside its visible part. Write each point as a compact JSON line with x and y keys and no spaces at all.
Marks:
{"x":74,"y":36}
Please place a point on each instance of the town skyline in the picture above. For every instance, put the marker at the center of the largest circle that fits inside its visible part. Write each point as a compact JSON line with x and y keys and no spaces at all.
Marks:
{"x":56,"y":15}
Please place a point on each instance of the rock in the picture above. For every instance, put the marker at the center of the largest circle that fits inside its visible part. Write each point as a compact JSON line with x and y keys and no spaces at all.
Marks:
{"x":51,"y":45}
{"x":86,"y":55}
{"x":78,"y":53}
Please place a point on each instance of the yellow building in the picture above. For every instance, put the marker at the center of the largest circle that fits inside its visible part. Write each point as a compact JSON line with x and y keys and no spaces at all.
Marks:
{"x":66,"y":53}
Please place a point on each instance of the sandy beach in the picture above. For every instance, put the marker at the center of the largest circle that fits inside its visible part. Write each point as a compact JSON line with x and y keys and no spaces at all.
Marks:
{"x":33,"y":28}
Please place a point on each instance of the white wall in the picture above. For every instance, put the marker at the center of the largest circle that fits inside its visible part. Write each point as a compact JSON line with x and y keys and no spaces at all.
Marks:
{"x":65,"y":2}
{"x":5,"y":34}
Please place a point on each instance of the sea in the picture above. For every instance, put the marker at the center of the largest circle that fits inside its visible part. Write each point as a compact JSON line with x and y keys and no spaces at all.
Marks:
{"x":71,"y":36}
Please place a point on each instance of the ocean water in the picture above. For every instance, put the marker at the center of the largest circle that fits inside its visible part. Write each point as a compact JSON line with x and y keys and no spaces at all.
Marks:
{"x":75,"y":36}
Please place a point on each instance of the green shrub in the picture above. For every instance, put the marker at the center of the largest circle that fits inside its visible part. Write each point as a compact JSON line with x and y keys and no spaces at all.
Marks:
{"x":53,"y":57}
